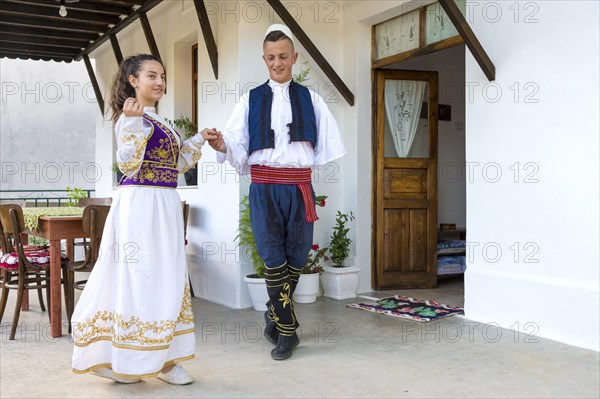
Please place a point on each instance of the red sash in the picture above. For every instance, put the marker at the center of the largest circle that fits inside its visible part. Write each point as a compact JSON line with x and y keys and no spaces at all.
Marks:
{"x":301,"y":177}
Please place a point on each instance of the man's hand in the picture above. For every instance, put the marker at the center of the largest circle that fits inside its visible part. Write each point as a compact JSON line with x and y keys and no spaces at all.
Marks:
{"x":215,"y":139}
{"x":209,"y":134}
{"x":132,"y":107}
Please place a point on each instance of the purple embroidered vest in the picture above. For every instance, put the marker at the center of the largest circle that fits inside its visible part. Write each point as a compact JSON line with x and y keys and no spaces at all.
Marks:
{"x":159,"y":166}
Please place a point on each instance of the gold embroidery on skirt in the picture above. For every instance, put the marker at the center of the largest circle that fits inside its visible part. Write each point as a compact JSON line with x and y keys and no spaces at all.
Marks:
{"x":133,"y":333}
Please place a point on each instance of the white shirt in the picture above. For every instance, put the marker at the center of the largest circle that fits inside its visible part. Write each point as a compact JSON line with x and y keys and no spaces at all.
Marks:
{"x":297,"y":154}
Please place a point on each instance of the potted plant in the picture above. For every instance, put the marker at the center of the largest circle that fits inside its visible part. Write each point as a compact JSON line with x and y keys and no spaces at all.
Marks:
{"x":307,"y":289}
{"x":75,"y":194}
{"x":115,"y":168}
{"x":303,"y":75}
{"x":245,"y":238}
{"x":340,"y":281}
{"x":189,"y":129}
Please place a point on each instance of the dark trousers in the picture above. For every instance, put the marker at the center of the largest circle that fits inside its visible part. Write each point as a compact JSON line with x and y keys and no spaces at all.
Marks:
{"x":283,"y":240}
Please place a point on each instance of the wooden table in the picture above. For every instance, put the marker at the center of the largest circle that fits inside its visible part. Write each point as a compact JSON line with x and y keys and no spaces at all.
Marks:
{"x":54,"y":229}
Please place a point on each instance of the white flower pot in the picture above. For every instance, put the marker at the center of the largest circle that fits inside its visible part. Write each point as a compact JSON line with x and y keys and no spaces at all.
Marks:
{"x":258,"y":292}
{"x":340,"y":282}
{"x":307,"y":288}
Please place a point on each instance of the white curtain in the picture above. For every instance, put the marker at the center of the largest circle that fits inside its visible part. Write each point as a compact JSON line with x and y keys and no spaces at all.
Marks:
{"x":403,"y":101}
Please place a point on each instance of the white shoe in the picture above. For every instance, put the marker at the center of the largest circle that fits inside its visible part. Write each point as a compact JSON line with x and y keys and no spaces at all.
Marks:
{"x":176,"y":376}
{"x":105,"y":372}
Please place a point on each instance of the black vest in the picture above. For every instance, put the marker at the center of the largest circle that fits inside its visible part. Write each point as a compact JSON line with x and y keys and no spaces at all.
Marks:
{"x":302,"y":128}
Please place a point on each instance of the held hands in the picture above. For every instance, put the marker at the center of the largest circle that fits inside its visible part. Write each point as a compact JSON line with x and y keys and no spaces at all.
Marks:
{"x":215,"y":139}
{"x":131,"y":107}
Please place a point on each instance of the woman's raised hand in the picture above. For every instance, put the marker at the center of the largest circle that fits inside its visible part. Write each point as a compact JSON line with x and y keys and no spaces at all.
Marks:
{"x":132,"y":107}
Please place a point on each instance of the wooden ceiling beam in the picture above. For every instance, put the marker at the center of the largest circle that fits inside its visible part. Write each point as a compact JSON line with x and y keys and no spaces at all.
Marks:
{"x":149,"y":35}
{"x":119,"y":3}
{"x":95,"y":86}
{"x":51,"y":14}
{"x":47,"y":33}
{"x":79,"y":6}
{"x":48,"y":24}
{"x":467,"y":34}
{"x":116,"y":48}
{"x":147,"y":6}
{"x":60,"y":51}
{"x":8,"y":37}
{"x":209,"y":39}
{"x":314,"y":52}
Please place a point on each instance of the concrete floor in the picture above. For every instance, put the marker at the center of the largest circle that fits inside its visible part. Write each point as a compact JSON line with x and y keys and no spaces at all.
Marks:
{"x":344,"y":353}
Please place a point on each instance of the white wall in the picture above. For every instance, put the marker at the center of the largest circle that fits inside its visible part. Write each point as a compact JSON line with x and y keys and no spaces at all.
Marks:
{"x":543,"y":219}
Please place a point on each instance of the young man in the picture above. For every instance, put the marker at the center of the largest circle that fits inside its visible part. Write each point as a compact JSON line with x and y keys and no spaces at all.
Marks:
{"x":278,"y":132}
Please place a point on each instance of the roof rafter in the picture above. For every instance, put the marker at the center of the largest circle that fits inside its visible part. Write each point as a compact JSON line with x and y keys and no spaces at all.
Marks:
{"x":147,"y":6}
{"x":465,"y":31}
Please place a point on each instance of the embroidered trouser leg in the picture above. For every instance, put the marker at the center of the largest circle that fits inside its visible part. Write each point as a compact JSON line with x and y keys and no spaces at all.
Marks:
{"x":281,"y":307}
{"x":283,"y":240}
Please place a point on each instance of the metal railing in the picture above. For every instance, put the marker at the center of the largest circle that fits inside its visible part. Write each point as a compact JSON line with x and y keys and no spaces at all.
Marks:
{"x":34,"y":199}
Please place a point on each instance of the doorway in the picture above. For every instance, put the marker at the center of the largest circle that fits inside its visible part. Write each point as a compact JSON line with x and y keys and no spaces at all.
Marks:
{"x":406,"y":179}
{"x":417,"y":190}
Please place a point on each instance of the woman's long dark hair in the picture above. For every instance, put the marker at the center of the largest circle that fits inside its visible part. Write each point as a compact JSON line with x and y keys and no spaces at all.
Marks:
{"x":121,"y":89}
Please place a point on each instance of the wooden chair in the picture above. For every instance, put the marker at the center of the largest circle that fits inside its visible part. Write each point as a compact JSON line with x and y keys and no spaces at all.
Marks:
{"x":83,"y":202}
{"x":21,"y":203}
{"x":8,"y":236}
{"x":94,"y":218}
{"x":23,"y":267}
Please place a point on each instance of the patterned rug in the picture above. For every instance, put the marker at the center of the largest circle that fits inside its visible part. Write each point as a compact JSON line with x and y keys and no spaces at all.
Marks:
{"x":409,"y":308}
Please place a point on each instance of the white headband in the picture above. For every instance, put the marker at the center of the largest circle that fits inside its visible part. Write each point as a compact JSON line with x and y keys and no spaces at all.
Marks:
{"x":286,"y":31}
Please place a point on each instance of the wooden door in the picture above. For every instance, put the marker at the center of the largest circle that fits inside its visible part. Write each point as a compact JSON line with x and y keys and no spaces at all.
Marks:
{"x":405,"y":181}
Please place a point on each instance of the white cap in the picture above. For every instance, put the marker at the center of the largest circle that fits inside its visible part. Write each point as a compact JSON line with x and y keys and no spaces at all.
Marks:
{"x":282,"y":28}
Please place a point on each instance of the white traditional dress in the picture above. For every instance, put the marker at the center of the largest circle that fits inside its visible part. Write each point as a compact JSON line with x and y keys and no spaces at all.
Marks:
{"x":135,"y":313}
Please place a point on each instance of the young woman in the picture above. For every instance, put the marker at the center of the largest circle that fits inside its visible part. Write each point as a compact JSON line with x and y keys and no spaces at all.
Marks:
{"x":134,"y":319}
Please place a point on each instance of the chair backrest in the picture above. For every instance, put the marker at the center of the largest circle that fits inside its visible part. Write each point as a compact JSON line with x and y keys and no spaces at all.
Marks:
{"x":83,"y":202}
{"x":13,"y":222}
{"x":5,"y":232}
{"x":94,"y":218}
{"x":8,"y":212}
{"x":21,"y":203}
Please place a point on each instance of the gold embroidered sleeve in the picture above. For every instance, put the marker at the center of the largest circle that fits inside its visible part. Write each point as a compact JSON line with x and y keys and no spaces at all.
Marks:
{"x":132,"y":137}
{"x":190,"y":153}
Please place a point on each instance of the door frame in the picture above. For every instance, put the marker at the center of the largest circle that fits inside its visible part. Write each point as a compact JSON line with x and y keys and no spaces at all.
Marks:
{"x":378,"y":77}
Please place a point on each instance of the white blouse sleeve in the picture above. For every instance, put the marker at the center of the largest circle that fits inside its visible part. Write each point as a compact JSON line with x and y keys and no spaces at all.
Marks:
{"x":236,"y":136}
{"x":329,"y":142}
{"x":132,"y":134}
{"x":190,"y":152}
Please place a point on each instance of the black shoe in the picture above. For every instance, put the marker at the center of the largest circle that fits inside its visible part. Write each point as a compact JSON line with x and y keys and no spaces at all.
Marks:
{"x":271,"y":334}
{"x":285,"y":346}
